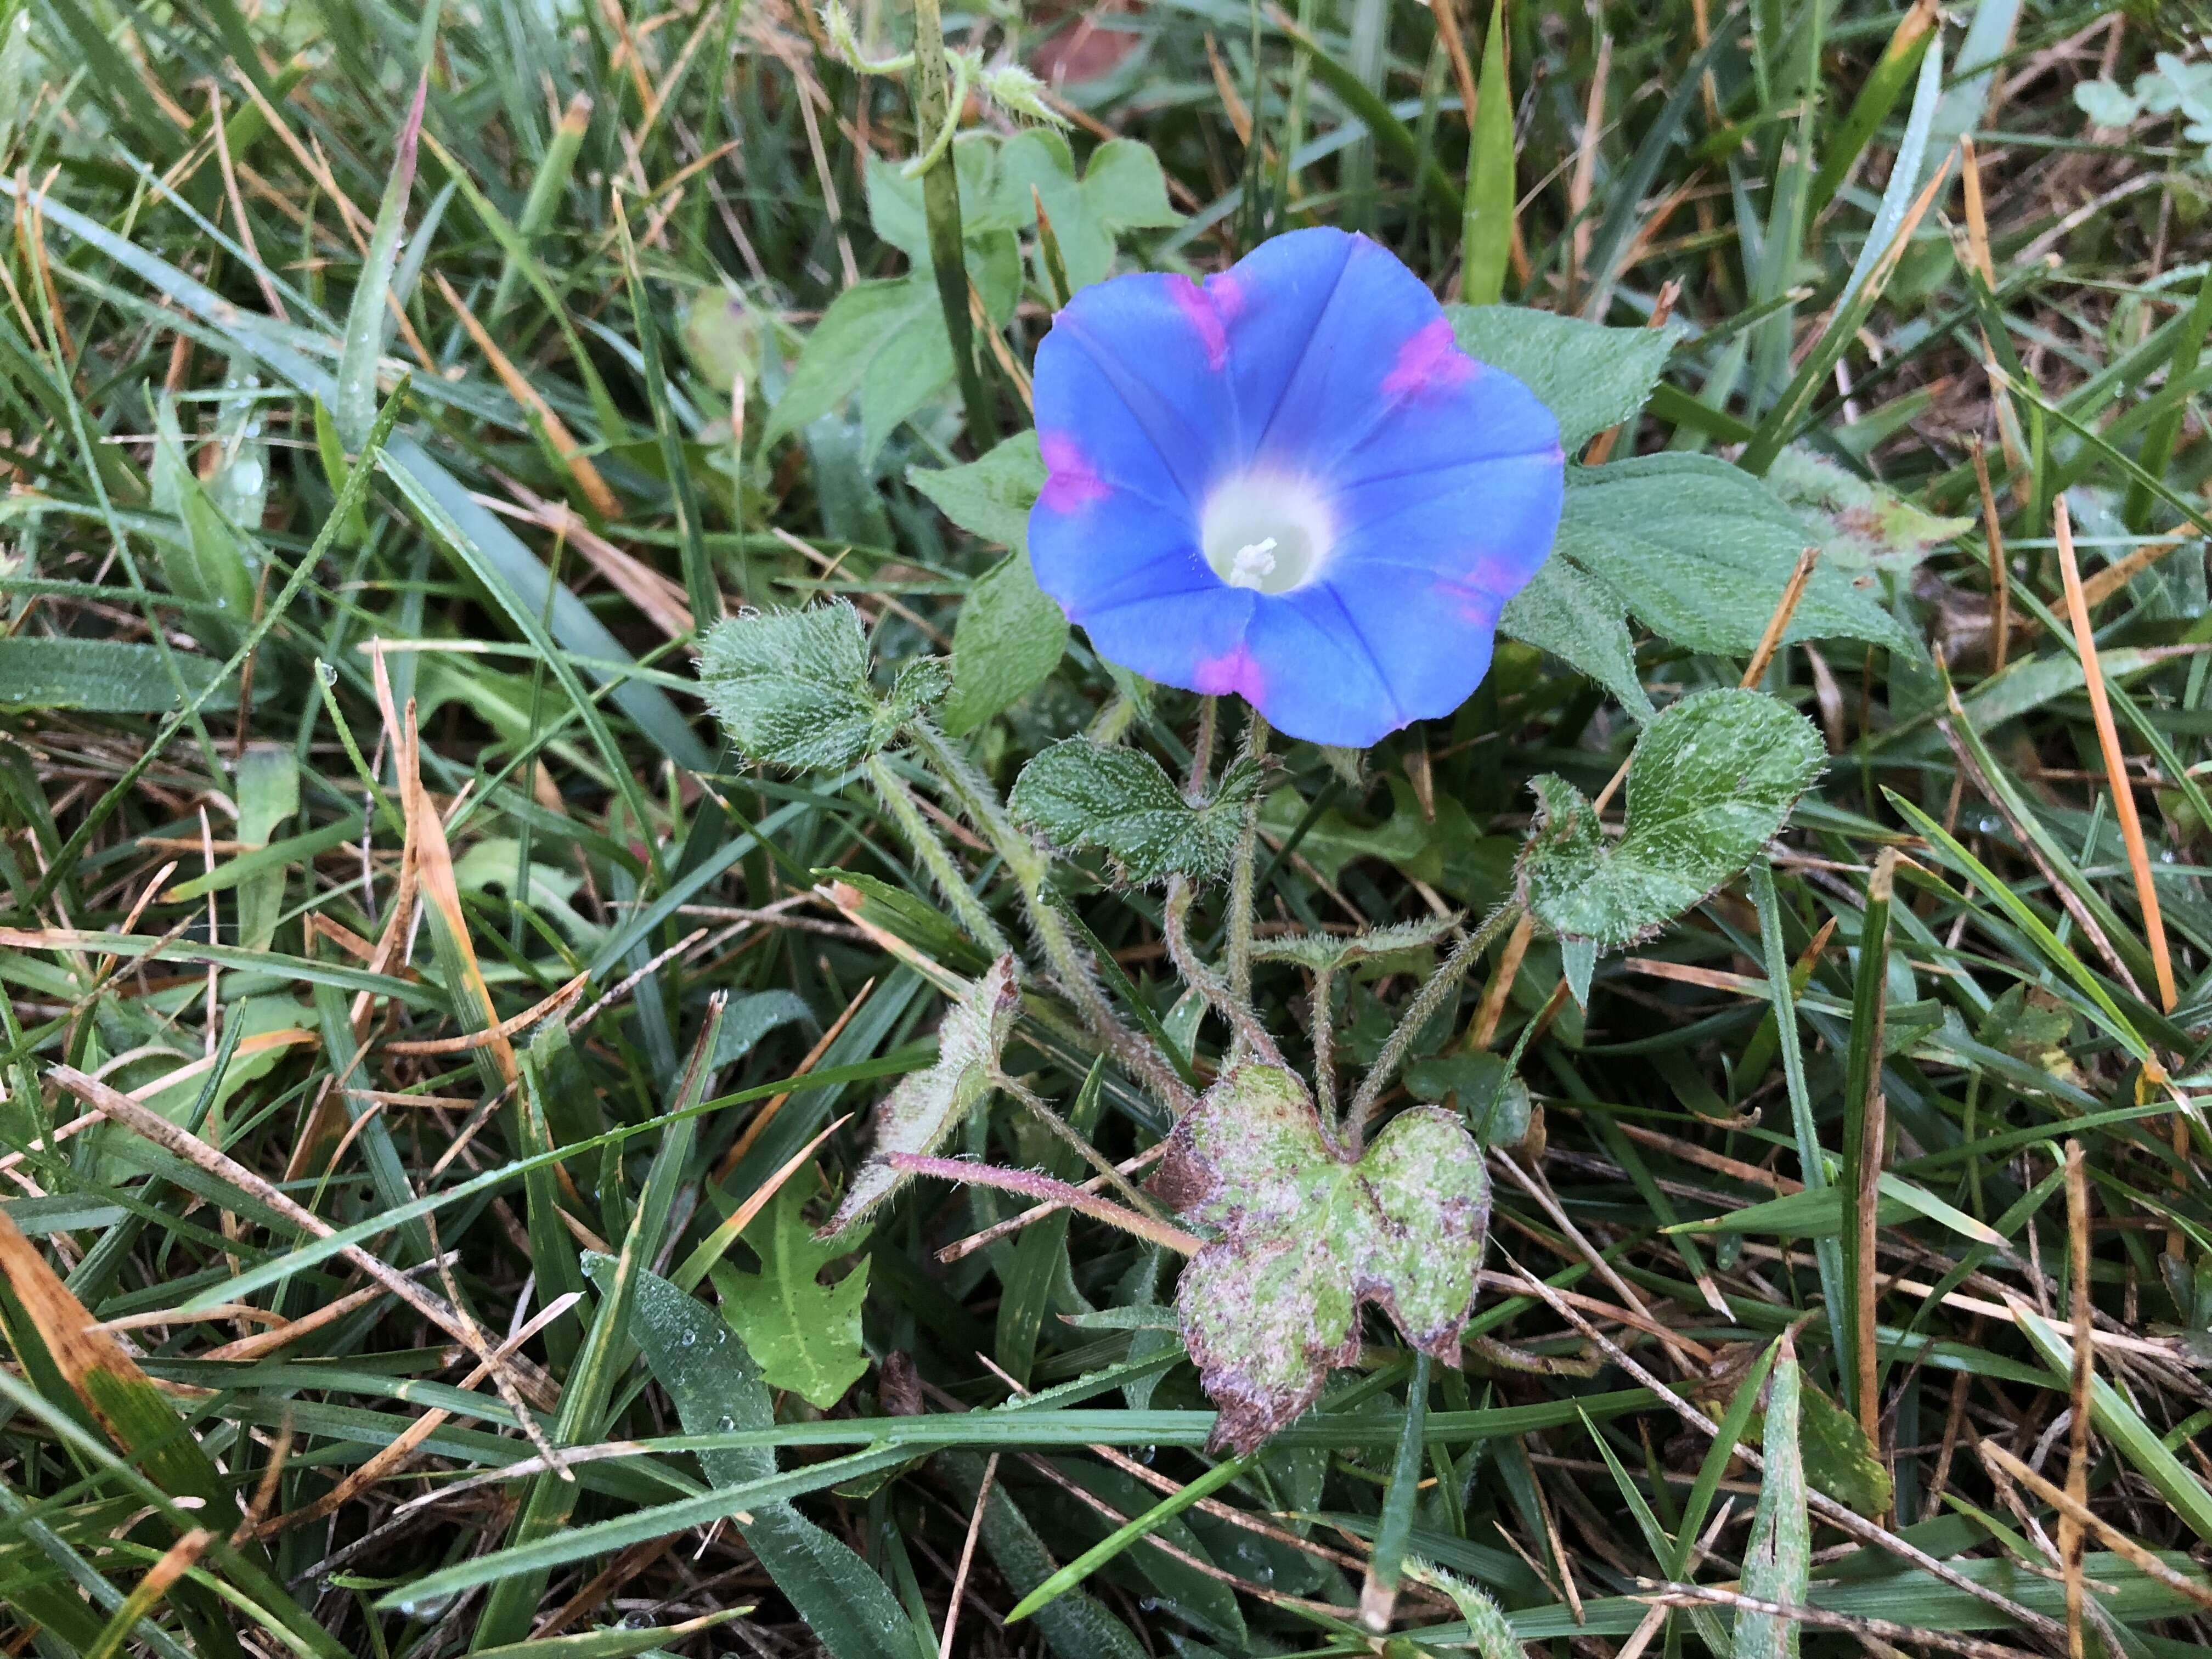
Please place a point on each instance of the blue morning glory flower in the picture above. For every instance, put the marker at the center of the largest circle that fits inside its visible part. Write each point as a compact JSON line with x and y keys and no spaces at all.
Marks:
{"x":1289,"y":482}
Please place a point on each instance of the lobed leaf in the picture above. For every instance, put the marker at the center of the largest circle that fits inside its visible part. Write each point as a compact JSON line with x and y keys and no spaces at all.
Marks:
{"x":805,"y":1335}
{"x":791,"y":687}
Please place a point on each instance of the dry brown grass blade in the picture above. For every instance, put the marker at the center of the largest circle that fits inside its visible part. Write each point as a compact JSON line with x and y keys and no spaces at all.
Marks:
{"x":2115,"y":765}
{"x":660,"y":599}
{"x":83,"y":1350}
{"x":2088,"y":1520}
{"x":506,"y":1027}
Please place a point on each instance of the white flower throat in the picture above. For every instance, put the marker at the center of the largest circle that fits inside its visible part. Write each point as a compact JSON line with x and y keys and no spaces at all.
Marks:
{"x":1268,"y":532}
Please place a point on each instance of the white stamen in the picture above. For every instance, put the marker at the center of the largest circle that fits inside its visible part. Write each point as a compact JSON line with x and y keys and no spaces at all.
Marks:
{"x":1253,"y":564}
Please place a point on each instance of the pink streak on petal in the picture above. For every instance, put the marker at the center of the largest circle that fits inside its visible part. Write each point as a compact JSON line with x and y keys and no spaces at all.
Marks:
{"x":1476,"y":600}
{"x":1430,"y":362}
{"x":1070,"y":483}
{"x":1234,"y":671}
{"x":1208,"y":308}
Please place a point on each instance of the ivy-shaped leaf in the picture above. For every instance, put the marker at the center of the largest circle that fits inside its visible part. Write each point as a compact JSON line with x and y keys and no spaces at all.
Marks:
{"x":791,"y":687}
{"x":1700,"y":552}
{"x":1308,"y":1236}
{"x":804,"y":1335}
{"x":1082,"y":793}
{"x":1710,"y":783}
{"x":1121,"y":189}
{"x":1590,"y":377}
{"x":927,"y":1105}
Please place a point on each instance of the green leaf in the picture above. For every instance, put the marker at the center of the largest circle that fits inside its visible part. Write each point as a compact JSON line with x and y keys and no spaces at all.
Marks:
{"x":1583,"y":624}
{"x":1481,"y":1088}
{"x":717,"y":1390}
{"x":1326,"y":953}
{"x":1590,"y":377}
{"x":211,"y":565}
{"x":369,"y":320}
{"x":791,"y":687}
{"x":1839,"y":1458}
{"x":1308,"y":1237}
{"x":1858,"y":524}
{"x":1778,"y":1560}
{"x":1122,"y":189}
{"x":1710,"y":783}
{"x":990,"y":498}
{"x":1009,"y":638}
{"x":268,"y":795}
{"x":927,"y":1106}
{"x":883,"y":341}
{"x":1082,"y":793}
{"x":1486,"y":228}
{"x":751,"y":1018}
{"x":1700,"y":552}
{"x":805,"y":1335}
{"x":1333,"y":841}
{"x":102,"y":677}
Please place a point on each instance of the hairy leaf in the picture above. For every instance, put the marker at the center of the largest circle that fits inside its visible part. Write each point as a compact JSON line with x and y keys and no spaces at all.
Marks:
{"x":1328,"y":951}
{"x":1700,"y":552}
{"x":1710,"y":783}
{"x":1590,"y":377}
{"x":1082,"y":793}
{"x":928,"y":1105}
{"x":1779,"y":1557}
{"x":1583,"y":624}
{"x":805,"y":1335}
{"x":1008,"y":639}
{"x":1308,"y":1236}
{"x":791,"y":686}
{"x":989,"y":498}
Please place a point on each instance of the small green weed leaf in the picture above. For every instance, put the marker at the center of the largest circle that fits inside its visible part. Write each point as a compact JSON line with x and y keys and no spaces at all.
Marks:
{"x":1590,"y":377}
{"x":791,"y":687}
{"x":2107,"y":103}
{"x":1308,"y":1236}
{"x":895,"y":208}
{"x":1489,"y":1635}
{"x":805,"y":1335}
{"x":1710,"y":783}
{"x":750,"y":1018}
{"x":1700,"y":552}
{"x":1481,"y":1088}
{"x":1009,"y":638}
{"x":1326,"y":953}
{"x":990,"y":498}
{"x":1839,"y":1458}
{"x":1122,"y":189}
{"x":1082,"y":793}
{"x":212,"y":565}
{"x":369,"y":320}
{"x":717,"y":1390}
{"x":1857,"y":524}
{"x":267,"y":797}
{"x":1582,"y":623}
{"x":927,"y":1105}
{"x":1778,"y":1560}
{"x":101,"y":677}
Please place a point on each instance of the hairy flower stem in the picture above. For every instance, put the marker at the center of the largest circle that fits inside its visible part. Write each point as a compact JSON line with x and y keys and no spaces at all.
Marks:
{"x":1045,"y":1189}
{"x":1252,"y":1041}
{"x":1069,"y":1135}
{"x":930,"y":847}
{"x":1031,"y":870}
{"x":1324,"y":1048}
{"x":1240,"y":874}
{"x":934,"y":112}
{"x":1419,"y":1012}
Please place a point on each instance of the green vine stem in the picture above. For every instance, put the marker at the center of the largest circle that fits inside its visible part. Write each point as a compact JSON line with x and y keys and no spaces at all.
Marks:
{"x":936,"y":112}
{"x":1367,"y":1102}
{"x":930,"y":848}
{"x":1031,"y":870}
{"x":1241,"y":873}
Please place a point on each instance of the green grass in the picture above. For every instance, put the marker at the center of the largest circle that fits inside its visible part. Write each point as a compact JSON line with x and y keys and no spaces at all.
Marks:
{"x":348,"y":713}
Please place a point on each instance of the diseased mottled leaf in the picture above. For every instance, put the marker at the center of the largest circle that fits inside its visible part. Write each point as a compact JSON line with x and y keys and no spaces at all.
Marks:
{"x":1700,"y":552}
{"x":1839,"y":1458}
{"x":1082,"y":793}
{"x":1589,"y":376}
{"x":791,"y":687}
{"x":1122,"y":189}
{"x":805,"y":1335}
{"x":1583,"y":624}
{"x":1778,"y":1560}
{"x":1857,"y":524}
{"x":1308,"y":1236}
{"x":1710,"y":783}
{"x":717,"y":1390}
{"x":1008,"y":639}
{"x":990,"y":498}
{"x":928,"y":1105}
